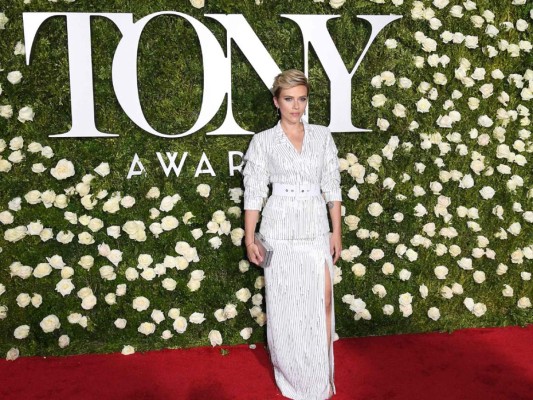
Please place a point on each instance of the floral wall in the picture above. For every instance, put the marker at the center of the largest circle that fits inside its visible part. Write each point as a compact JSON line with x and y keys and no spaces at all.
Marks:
{"x":437,"y":196}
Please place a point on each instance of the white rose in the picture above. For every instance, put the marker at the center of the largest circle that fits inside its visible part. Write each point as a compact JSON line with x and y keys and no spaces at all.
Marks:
{"x":65,"y":287}
{"x":237,"y":235}
{"x":148,"y":274}
{"x":203,"y":190}
{"x":479,"y":276}
{"x":335,"y":3}
{"x":63,"y":169}
{"x":127,"y":201}
{"x":67,"y":272}
{"x":379,"y":290}
{"x":243,"y":294}
{"x":404,"y":275}
{"x":34,"y":228}
{"x":63,"y":341}
{"x":230,"y":311}
{"x":375,"y":209}
{"x":166,"y":334}
{"x":388,"y":309}
{"x":113,"y":231}
{"x":169,"y":284}
{"x":169,"y":222}
{"x":131,"y":274}
{"x":196,"y":318}
{"x":13,"y":353}
{"x":180,"y":324}
{"x":61,"y":201}
{"x":102,"y":169}
{"x":65,"y":237}
{"x":434,"y":313}
{"x":95,"y":224}
{"x":479,"y":309}
{"x":440,"y":272}
{"x":140,"y":303}
{"x":156,"y":229}
{"x":86,"y":262}
{"x":21,"y":332}
{"x":17,"y":143}
{"x":405,"y":298}
{"x":197,"y":3}
{"x":259,"y":282}
{"x":42,"y":270}
{"x":508,"y":291}
{"x":524,"y":302}
{"x":144,"y":260}
{"x":215,"y":337}
{"x":6,"y":218}
{"x":146,"y":328}
{"x":50,"y":323}
{"x":135,"y":230}
{"x":6,"y":111}
{"x":112,"y":205}
{"x":120,"y":323}
{"x":168,"y":202}
{"x":127,"y":350}
{"x":218,"y":217}
{"x":110,"y":298}
{"x":88,"y":302}
{"x":23,"y":300}
{"x":14,"y":77}
{"x":121,"y":289}
{"x":387,"y":268}
{"x":153,"y":193}
{"x":33,"y":197}
{"x":378,"y":100}
{"x":376,"y":254}
{"x":423,"y":289}
{"x":487,"y":192}
{"x":246,"y":333}
{"x":406,"y":310}
{"x":85,"y":238}
{"x":382,"y":124}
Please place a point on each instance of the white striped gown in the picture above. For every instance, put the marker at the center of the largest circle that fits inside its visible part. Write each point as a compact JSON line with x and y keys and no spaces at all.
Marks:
{"x":298,"y":230}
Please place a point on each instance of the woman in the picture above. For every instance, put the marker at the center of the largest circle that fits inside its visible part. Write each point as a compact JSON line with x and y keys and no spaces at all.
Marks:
{"x":300,"y":160}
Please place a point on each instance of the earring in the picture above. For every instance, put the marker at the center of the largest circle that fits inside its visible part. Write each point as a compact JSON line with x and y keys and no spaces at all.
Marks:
{"x":277,"y":112}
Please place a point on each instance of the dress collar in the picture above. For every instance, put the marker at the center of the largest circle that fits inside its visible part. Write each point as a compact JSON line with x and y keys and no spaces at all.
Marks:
{"x":280,"y":135}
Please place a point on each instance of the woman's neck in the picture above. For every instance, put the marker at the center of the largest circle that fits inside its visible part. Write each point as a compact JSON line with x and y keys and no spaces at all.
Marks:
{"x":292,"y":128}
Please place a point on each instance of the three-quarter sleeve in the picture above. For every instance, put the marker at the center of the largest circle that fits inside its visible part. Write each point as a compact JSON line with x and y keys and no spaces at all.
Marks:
{"x":255,"y":176}
{"x":331,"y":177}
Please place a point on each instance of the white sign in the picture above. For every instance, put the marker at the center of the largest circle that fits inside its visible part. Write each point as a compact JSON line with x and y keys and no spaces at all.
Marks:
{"x":216,"y":67}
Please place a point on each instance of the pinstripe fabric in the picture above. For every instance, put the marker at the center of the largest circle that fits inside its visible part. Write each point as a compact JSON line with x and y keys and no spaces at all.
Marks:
{"x":298,"y":230}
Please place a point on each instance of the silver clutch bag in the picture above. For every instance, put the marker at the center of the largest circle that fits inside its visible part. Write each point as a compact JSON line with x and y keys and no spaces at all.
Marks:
{"x":265,"y":249}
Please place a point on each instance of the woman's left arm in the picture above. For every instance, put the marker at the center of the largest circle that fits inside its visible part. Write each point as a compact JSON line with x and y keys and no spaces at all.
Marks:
{"x":335,"y":240}
{"x":330,"y":185}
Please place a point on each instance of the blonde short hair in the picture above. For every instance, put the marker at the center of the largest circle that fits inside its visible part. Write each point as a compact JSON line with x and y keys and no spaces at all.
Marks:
{"x":289,"y":79}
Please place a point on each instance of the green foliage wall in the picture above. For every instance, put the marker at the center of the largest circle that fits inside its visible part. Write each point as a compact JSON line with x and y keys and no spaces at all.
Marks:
{"x":493,"y":235}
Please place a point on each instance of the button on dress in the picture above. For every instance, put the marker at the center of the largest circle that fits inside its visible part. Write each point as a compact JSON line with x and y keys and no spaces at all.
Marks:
{"x":298,"y":230}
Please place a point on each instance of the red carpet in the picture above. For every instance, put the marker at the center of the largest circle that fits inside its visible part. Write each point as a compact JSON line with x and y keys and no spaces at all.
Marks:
{"x":469,"y":364}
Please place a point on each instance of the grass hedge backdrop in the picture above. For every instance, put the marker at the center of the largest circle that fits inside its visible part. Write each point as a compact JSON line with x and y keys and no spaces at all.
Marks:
{"x":437,"y":198}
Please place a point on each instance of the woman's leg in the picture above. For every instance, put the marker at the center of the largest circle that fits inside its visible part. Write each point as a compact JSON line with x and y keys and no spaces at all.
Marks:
{"x":327,"y":301}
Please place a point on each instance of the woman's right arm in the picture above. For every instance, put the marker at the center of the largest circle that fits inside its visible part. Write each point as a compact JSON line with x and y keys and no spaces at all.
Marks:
{"x":250,"y":220}
{"x":256,"y":178}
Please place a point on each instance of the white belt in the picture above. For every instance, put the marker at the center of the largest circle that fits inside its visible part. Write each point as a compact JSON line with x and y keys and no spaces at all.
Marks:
{"x":299,"y":190}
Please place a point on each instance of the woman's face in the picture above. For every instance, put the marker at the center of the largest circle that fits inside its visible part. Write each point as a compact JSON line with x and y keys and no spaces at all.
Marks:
{"x":291,"y":103}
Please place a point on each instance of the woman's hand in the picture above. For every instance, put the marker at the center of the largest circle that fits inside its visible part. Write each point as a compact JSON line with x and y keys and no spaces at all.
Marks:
{"x":253,"y":254}
{"x":335,"y":246}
